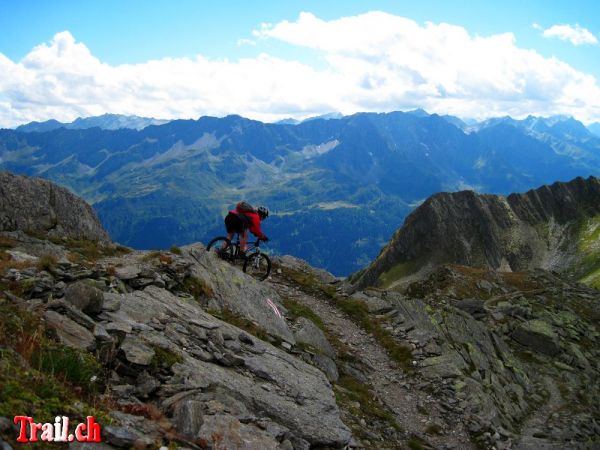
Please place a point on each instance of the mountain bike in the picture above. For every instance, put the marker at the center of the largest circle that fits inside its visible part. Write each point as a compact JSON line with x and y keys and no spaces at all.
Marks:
{"x":256,"y":263}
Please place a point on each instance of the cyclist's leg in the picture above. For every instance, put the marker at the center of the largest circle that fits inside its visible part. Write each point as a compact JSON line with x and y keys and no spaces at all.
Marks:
{"x":244,"y":240}
{"x":233,"y":225}
{"x":230,"y":237}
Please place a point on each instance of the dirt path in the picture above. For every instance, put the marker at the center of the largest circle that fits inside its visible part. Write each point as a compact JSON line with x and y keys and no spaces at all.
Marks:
{"x":413,"y":409}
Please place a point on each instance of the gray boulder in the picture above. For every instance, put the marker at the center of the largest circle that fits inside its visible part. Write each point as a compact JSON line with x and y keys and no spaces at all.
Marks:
{"x":327,"y":366}
{"x":238,"y":292}
{"x":136,"y":351}
{"x":225,"y":431}
{"x":537,"y":335}
{"x":87,"y":298}
{"x":306,"y":332}
{"x":269,"y":382}
{"x":69,"y":332}
{"x":119,"y":436}
{"x":33,"y":204}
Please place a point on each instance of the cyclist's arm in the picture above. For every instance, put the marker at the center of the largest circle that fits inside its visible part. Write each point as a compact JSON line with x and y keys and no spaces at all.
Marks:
{"x":255,"y":227}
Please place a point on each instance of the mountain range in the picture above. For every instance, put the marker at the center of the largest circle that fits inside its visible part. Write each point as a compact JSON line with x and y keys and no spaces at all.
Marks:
{"x":337,"y":188}
{"x":105,"y":121}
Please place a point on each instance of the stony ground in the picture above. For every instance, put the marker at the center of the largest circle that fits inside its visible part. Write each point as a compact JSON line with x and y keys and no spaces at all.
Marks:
{"x":178,"y":348}
{"x":414,"y":410}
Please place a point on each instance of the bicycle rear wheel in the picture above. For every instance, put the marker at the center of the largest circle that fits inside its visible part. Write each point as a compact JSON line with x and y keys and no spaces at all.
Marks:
{"x":258,"y":265}
{"x":223,"y":248}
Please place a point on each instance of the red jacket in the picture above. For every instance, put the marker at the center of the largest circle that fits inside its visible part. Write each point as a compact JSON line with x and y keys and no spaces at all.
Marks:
{"x":253,"y":221}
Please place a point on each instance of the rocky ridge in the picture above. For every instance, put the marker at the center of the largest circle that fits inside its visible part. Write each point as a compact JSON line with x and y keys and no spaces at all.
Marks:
{"x":553,"y":227}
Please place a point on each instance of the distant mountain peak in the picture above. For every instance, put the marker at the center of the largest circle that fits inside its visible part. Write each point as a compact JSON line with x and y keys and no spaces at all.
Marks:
{"x":288,"y":121}
{"x":327,"y":116}
{"x":419,"y":112}
{"x":594,"y":128}
{"x":105,"y":121}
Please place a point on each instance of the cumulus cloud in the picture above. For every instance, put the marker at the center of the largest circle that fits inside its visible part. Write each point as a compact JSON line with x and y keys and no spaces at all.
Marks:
{"x":575,"y":35}
{"x":374,"y":62}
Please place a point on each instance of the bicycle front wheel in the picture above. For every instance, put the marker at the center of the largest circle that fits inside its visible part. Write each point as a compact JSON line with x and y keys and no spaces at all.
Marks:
{"x":258,"y":265}
{"x":222,"y":247}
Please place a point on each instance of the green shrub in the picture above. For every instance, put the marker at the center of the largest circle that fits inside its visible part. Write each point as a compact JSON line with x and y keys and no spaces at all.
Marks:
{"x":41,"y":378}
{"x":68,"y":364}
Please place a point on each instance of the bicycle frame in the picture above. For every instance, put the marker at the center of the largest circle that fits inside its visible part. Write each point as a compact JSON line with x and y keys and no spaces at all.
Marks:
{"x":251,"y":247}
{"x":253,"y":258}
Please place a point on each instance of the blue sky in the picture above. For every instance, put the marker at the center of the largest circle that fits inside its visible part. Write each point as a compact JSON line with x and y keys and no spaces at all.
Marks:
{"x":118,"y":33}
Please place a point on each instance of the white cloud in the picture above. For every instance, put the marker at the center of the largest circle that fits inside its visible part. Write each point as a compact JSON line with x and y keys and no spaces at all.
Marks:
{"x":575,"y":35}
{"x":375,"y":62}
{"x":242,"y":42}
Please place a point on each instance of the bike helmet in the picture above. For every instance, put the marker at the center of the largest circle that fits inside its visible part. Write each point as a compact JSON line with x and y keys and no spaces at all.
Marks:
{"x":263,"y":212}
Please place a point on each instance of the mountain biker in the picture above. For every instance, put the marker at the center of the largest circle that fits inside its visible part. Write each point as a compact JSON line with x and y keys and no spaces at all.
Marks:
{"x":243,"y":218}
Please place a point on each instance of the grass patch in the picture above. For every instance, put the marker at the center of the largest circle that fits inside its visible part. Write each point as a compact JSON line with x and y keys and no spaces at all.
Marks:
{"x":47,"y":263}
{"x":296,"y":309}
{"x":19,"y":288}
{"x":520,"y":281}
{"x":6,"y":243}
{"x":310,"y":283}
{"x":92,"y":250}
{"x":152,"y":255}
{"x":592,"y":279}
{"x":41,"y":378}
{"x":358,"y":312}
{"x":164,"y":358}
{"x":415,"y":443}
{"x":399,"y":271}
{"x":359,"y":401}
{"x":226,"y":315}
{"x":355,"y":391}
{"x":198,"y":288}
{"x":6,"y":262}
{"x":68,"y":364}
{"x":175,"y":250}
{"x":24,"y":333}
{"x":588,"y":246}
{"x":433,"y":428}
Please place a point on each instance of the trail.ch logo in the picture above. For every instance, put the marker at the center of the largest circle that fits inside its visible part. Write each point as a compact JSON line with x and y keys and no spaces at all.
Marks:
{"x":88,"y":431}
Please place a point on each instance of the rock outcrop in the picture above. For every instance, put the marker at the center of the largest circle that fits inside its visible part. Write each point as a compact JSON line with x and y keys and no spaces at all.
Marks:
{"x":38,"y":206}
{"x":144,"y":317}
{"x":542,"y":228}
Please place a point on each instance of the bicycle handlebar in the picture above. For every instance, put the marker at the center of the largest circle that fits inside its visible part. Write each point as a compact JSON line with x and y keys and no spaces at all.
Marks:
{"x":255,"y":243}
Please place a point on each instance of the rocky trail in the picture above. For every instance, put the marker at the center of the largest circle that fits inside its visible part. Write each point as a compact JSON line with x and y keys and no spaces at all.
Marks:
{"x":414,"y":410}
{"x":533,"y":437}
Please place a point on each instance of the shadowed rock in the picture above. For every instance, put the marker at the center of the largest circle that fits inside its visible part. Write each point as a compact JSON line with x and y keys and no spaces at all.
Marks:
{"x":36,"y":205}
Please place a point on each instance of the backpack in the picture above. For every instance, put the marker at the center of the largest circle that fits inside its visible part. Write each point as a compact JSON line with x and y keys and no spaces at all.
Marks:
{"x":245,"y":207}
